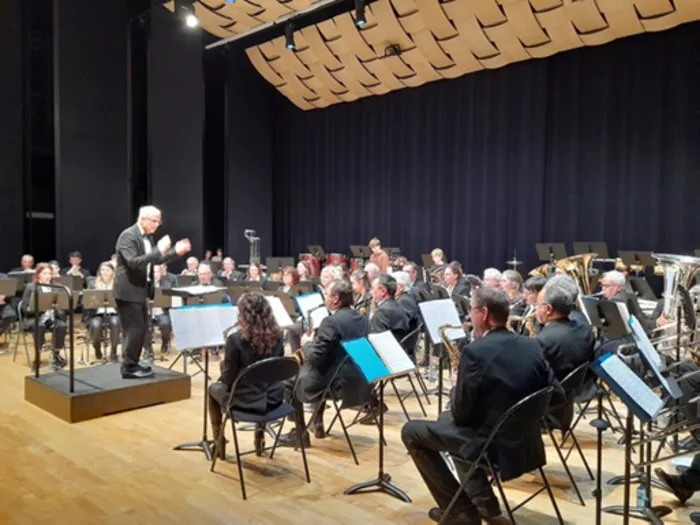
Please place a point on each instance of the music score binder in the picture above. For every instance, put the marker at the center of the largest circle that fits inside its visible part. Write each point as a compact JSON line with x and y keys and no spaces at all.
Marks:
{"x":379,"y":356}
{"x":632,"y":391}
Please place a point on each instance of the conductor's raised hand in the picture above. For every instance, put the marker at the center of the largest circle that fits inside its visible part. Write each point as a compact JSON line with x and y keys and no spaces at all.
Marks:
{"x":182,"y":247}
{"x":164,"y":244}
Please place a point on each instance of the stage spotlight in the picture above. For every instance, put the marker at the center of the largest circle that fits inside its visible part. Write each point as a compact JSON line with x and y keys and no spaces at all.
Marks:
{"x":289,"y":37}
{"x":360,"y":19}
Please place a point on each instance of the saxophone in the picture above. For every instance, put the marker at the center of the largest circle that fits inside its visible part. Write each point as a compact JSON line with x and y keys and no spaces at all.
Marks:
{"x":452,"y":349}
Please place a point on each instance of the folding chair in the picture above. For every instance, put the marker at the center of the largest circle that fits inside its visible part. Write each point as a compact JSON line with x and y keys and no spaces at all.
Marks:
{"x":571,"y":384}
{"x":264,"y":373}
{"x":409,"y":342}
{"x":22,"y":335}
{"x":532,"y":407}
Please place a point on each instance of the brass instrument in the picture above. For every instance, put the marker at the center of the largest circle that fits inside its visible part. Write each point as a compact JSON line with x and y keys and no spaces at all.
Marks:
{"x":541,"y":271}
{"x":527,"y":321}
{"x":683,"y":269}
{"x":578,"y":267}
{"x":299,"y":354}
{"x":452,"y":349}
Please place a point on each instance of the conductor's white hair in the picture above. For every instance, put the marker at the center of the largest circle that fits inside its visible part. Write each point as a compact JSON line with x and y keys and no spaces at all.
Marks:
{"x":492,"y":274}
{"x":402,"y":279}
{"x":148,"y":211}
{"x":615,"y":277}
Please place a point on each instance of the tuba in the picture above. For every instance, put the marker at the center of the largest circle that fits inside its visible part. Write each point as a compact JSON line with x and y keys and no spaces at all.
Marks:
{"x":578,"y":267}
{"x":679,"y":273}
{"x":541,"y":271}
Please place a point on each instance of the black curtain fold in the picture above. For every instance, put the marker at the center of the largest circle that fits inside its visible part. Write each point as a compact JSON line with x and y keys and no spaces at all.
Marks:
{"x":594,"y":144}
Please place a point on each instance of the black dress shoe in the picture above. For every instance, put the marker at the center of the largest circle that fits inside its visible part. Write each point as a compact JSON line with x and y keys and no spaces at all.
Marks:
{"x":457,"y":516}
{"x":291,"y":439}
{"x":695,"y":517}
{"x":675,"y":483}
{"x":145,"y":368}
{"x":137,"y":373}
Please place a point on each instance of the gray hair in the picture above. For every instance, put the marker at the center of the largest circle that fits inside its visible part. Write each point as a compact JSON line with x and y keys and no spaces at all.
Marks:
{"x":492,"y":274}
{"x":558,"y":293}
{"x":567,"y":282}
{"x":615,"y":277}
{"x":204,"y":265}
{"x":331,"y":271}
{"x":402,"y":279}
{"x":513,"y":277}
{"x":372,"y":269}
{"x":148,"y":211}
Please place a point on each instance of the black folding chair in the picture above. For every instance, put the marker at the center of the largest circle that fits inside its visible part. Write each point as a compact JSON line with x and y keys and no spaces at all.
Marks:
{"x":532,"y":407}
{"x":571,"y":384}
{"x":264,"y":373}
{"x":22,"y":334}
{"x":409,"y":343}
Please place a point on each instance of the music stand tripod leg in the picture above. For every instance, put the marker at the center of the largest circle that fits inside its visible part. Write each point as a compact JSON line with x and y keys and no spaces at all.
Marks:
{"x":383,"y":482}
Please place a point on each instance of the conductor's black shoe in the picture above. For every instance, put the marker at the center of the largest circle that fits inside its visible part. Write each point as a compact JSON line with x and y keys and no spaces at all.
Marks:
{"x":675,"y":483}
{"x":145,"y":368}
{"x":137,"y":373}
{"x":290,"y":439}
{"x":457,"y":516}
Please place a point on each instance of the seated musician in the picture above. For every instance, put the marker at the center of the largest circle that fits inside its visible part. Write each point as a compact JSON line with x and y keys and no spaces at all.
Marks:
{"x":417,"y":285}
{"x":684,"y":485}
{"x":406,"y":300}
{"x":192,"y":265}
{"x":258,"y":338}
{"x":96,"y":319}
{"x":397,"y":263}
{"x":322,"y":356}
{"x":328,"y":275}
{"x":438,"y":267}
{"x":512,"y":285}
{"x":76,"y":260}
{"x":473,"y":281}
{"x":362,"y":291}
{"x":531,"y":289}
{"x":255,"y":274}
{"x":228,"y":270}
{"x":389,"y":315}
{"x":54,"y":320}
{"x":205,"y":277}
{"x":26,"y":264}
{"x":372,"y":271}
{"x":496,"y":370}
{"x":613,"y":287}
{"x":7,"y":311}
{"x":452,"y":278}
{"x":304,"y":270}
{"x":208,"y":254}
{"x":492,"y":278}
{"x":161,"y":317}
{"x":55,"y":269}
{"x":290,"y":278}
{"x":219,"y":257}
{"x":379,"y":256}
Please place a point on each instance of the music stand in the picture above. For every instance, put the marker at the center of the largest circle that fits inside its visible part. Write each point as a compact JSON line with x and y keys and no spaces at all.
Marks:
{"x":356,"y":251}
{"x":272,"y":286}
{"x":316,"y":251}
{"x":22,"y":278}
{"x":288,"y":303}
{"x":427,"y":260}
{"x":94,"y":300}
{"x":637,"y":258}
{"x":600,"y":247}
{"x":276,"y":264}
{"x":392,"y":250}
{"x":215,"y":266}
{"x":366,"y":252}
{"x":641,"y":287}
{"x":550,"y":251}
{"x":74,"y":282}
{"x":8,"y":288}
{"x":185,"y":280}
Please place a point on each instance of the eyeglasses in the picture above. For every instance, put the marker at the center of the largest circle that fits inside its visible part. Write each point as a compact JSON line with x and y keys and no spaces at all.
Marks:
{"x":543,"y":303}
{"x":154,"y":221}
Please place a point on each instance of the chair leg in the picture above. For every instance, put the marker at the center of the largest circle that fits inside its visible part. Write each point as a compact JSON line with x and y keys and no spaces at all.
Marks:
{"x":238,"y":458}
{"x":415,"y":392}
{"x":277,"y":438}
{"x":423,"y":387}
{"x":398,"y":396}
{"x":499,"y":486}
{"x":300,"y":435}
{"x":577,"y":445}
{"x":551,"y":495}
{"x":566,"y":467}
{"x":345,"y":431}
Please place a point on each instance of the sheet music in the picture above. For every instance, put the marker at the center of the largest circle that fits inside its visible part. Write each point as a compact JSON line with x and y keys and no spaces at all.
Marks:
{"x":318,"y":315}
{"x":624,"y":312}
{"x":583,"y":309}
{"x":200,"y":289}
{"x":631,"y":384}
{"x":308,"y":301}
{"x":644,"y":345}
{"x":202,"y":326}
{"x":366,"y":358}
{"x":669,"y":277}
{"x":441,"y":312}
{"x":279,"y":311}
{"x":391,"y":352}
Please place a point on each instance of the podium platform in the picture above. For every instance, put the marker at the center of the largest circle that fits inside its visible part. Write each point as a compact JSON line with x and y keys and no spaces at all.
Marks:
{"x":100,"y":391}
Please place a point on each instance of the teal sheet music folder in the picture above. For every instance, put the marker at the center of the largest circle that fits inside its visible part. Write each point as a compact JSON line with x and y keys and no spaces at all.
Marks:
{"x":365,"y":357}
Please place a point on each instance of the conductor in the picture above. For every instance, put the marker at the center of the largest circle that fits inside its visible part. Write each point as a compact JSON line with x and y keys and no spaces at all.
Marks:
{"x":134,"y":284}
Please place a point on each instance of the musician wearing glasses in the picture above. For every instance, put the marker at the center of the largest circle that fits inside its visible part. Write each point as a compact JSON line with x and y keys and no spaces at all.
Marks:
{"x":76,"y":260}
{"x":613,"y":287}
{"x":26,"y":264}
{"x":496,"y":370}
{"x":229,"y":272}
{"x":95,"y":320}
{"x":417,"y":286}
{"x":389,"y":315}
{"x":492,"y":278}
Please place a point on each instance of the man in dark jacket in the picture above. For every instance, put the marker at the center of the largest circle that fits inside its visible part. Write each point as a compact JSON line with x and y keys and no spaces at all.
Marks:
{"x":389,"y":314}
{"x":496,"y":371}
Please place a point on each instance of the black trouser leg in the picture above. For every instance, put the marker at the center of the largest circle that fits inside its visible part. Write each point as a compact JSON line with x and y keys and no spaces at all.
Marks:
{"x":113,"y":321}
{"x":59,"y":334}
{"x":166,"y":330}
{"x":133,"y":318}
{"x":95,"y":333}
{"x":296,"y":403}
{"x":691,"y":477}
{"x":218,"y":397}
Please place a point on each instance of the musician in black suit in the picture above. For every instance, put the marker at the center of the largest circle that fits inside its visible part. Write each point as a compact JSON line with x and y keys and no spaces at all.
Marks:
{"x":417,"y":286}
{"x":7,"y":312}
{"x":167,"y":279}
{"x":496,"y":370}
{"x":76,"y":260}
{"x":613,"y":287}
{"x":406,"y":300}
{"x":137,"y":252}
{"x":389,"y":314}
{"x":452,"y":277}
{"x":322,"y":356}
{"x":531,"y":288}
{"x":258,"y":338}
{"x":229,"y":272}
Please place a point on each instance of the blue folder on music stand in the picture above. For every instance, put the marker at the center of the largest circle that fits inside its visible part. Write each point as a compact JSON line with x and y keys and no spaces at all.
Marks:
{"x":366,"y":359}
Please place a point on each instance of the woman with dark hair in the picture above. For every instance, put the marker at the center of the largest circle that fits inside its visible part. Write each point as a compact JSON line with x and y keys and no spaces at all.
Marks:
{"x":255,"y":274}
{"x":452,"y":277}
{"x":361,"y":288}
{"x":290,"y":278}
{"x":304,"y":270}
{"x":258,"y":337}
{"x":53,"y":320}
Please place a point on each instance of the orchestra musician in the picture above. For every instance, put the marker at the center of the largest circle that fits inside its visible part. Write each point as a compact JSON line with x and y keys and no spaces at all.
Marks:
{"x":255,"y":274}
{"x":219,"y":257}
{"x":54,"y":320}
{"x":76,"y":260}
{"x":137,"y":255}
{"x":328,"y":275}
{"x":372,"y":271}
{"x":379,"y":256}
{"x":208,"y":254}
{"x":439,"y":264}
{"x":322,"y":355}
{"x":161,"y":317}
{"x":167,"y":279}
{"x":205,"y":277}
{"x":304,"y":270}
{"x":362,"y":290}
{"x":417,"y":285}
{"x":191,"y":267}
{"x":407,"y":302}
{"x":531,"y":289}
{"x":452,"y":279}
{"x":290,"y":278}
{"x":95,"y":320}
{"x":492,"y":278}
{"x":228,"y":270}
{"x":55,"y":269}
{"x":389,"y":315}
{"x":26,"y":264}
{"x":259,"y":337}
{"x":512,"y":285}
{"x":613,"y":287}
{"x":496,"y":370}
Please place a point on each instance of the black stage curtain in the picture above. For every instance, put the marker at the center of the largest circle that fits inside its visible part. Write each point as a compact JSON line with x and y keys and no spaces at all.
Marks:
{"x":176,"y":128}
{"x":92,"y":200}
{"x":11,"y":133}
{"x":594,"y":144}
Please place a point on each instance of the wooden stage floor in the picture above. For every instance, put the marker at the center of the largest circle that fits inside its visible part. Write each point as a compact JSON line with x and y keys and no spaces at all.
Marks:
{"x":121,"y":469}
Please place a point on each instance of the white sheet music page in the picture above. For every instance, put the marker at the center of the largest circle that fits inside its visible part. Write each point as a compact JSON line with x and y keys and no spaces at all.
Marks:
{"x":307,"y":302}
{"x":201,"y":327}
{"x":669,"y":276}
{"x":391,"y":352}
{"x":318,"y":315}
{"x":200,"y":289}
{"x":624,"y":312}
{"x":441,"y":312}
{"x":279,"y":311}
{"x":635,"y":388}
{"x":644,"y":345}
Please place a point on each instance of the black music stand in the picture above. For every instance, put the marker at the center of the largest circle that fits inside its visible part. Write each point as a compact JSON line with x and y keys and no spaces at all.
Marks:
{"x":427,"y":260}
{"x":185,"y":280}
{"x":277,"y":264}
{"x":599,"y":247}
{"x":94,"y":300}
{"x":637,"y":258}
{"x":642,"y":289}
{"x":392,"y":250}
{"x":272,"y":286}
{"x":356,"y":251}
{"x":316,"y":251}
{"x":22,"y":278}
{"x":550,"y":251}
{"x":74,"y":282}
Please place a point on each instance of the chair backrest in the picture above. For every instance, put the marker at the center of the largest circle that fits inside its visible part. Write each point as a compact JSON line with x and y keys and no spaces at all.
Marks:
{"x":410,"y":341}
{"x":268,"y":371}
{"x":574,"y":380}
{"x":531,"y":408}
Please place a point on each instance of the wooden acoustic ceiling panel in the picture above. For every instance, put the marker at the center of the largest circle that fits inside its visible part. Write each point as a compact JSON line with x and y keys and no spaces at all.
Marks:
{"x":335,"y":61}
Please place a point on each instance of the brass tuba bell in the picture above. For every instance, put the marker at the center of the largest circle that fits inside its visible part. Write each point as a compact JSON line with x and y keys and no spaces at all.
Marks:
{"x":578,"y":267}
